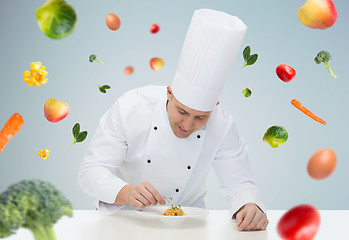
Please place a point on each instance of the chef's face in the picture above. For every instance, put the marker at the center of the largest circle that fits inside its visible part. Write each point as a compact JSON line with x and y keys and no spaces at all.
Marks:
{"x":183,"y":120}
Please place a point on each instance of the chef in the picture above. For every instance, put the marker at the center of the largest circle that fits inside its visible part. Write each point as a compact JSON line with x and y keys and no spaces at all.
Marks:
{"x":158,"y":142}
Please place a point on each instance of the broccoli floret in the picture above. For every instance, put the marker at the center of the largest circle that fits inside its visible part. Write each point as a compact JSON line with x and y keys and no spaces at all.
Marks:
{"x":93,"y":57}
{"x":324,"y":57}
{"x":32,"y":204}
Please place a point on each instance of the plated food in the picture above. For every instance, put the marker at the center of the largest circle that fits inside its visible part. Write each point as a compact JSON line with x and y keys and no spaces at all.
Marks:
{"x":157,"y":213}
{"x":174,"y":211}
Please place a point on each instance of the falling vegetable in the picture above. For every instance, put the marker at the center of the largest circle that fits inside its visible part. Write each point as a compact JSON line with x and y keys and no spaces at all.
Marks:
{"x":112,"y":21}
{"x":43,"y":154}
{"x":298,"y":105}
{"x":10,"y":129}
{"x":319,"y":14}
{"x":154,"y":28}
{"x":275,"y":136}
{"x":325,"y":57}
{"x":247,"y":92}
{"x":299,"y":223}
{"x":322,"y":164}
{"x":156,"y":63}
{"x":249,"y":59}
{"x":36,"y":75}
{"x":78,"y":136}
{"x":93,"y":57}
{"x":285,"y":72}
{"x":56,"y":18}
{"x":128,"y":70}
{"x":102,"y":88}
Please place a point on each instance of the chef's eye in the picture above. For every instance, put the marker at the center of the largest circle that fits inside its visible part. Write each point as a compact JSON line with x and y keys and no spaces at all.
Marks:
{"x":181,"y":112}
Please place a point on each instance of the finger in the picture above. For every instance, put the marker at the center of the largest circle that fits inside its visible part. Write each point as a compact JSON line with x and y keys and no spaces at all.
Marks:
{"x":155,"y":193}
{"x":260,"y":223}
{"x":148,"y":196}
{"x":135,"y":203}
{"x":247,"y":220}
{"x":258,"y":217}
{"x":265,"y":225}
{"x":139,"y":197}
{"x":240,"y":217}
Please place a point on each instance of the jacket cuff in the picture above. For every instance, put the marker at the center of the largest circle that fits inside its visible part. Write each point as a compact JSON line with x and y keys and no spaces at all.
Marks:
{"x":246,"y":197}
{"x":106,"y":209}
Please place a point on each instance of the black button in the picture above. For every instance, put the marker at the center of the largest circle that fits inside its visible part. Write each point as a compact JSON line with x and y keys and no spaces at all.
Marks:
{"x":189,"y":167}
{"x":155,"y":128}
{"x":198,"y":136}
{"x":177,"y":190}
{"x":149,"y":161}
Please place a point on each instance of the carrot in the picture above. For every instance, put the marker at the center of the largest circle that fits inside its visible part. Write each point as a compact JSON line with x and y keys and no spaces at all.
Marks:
{"x":298,"y":105}
{"x":10,"y":129}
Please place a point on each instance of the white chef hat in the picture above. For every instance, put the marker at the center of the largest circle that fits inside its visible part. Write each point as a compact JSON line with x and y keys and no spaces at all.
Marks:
{"x":211,"y":45}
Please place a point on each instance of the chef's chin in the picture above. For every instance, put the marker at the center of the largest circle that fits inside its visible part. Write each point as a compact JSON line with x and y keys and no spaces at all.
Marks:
{"x":180,"y":133}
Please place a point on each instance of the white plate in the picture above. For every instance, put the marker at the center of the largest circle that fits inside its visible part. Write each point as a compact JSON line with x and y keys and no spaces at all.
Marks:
{"x":156,"y":212}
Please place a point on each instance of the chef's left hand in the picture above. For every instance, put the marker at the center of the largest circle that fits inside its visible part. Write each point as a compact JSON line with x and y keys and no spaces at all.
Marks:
{"x":251,"y":218}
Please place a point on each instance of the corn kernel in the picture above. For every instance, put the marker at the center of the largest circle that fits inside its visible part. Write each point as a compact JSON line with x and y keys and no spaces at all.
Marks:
{"x":36,"y":74}
{"x":43,"y":154}
{"x":26,"y":74}
{"x":41,"y":71}
{"x":37,"y":66}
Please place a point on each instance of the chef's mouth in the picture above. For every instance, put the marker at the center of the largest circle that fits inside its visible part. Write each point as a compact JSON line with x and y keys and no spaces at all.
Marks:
{"x":181,"y":129}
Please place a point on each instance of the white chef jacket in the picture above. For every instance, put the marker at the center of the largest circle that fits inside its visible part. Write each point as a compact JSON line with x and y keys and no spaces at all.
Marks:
{"x":134,"y":142}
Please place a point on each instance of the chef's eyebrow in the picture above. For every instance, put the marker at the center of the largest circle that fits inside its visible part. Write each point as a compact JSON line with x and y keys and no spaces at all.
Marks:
{"x":201,"y":116}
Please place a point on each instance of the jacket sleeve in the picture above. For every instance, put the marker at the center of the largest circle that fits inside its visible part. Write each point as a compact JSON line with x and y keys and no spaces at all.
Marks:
{"x":104,"y":155}
{"x":234,"y":174}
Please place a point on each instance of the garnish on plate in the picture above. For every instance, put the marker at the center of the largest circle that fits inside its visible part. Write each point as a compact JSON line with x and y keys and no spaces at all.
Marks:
{"x":174,"y":211}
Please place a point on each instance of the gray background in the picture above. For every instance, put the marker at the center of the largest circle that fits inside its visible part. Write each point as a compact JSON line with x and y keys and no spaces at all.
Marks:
{"x":274,"y":32}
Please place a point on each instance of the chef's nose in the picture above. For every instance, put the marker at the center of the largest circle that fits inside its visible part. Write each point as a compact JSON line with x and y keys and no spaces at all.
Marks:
{"x":188,"y":123}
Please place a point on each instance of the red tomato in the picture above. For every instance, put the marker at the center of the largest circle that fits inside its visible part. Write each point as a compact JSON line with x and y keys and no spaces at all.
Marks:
{"x":299,"y":223}
{"x":285,"y":73}
{"x":154,"y":28}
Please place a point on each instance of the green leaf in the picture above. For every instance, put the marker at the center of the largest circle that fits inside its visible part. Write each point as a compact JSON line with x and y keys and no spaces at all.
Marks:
{"x":102,"y":89}
{"x":252,"y":59}
{"x":106,"y":86}
{"x":76,"y":130}
{"x":81,"y":137}
{"x":246,"y":53}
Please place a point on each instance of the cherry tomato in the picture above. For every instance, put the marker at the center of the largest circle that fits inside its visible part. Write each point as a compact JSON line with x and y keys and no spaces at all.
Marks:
{"x":285,"y":73}
{"x":113,"y":22}
{"x":154,"y":28}
{"x":299,"y":223}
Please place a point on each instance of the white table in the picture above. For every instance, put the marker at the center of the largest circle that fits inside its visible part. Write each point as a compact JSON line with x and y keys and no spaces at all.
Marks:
{"x":127,"y":224}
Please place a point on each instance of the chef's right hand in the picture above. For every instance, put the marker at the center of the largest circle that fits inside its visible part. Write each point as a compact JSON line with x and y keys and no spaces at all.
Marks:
{"x":141,"y":195}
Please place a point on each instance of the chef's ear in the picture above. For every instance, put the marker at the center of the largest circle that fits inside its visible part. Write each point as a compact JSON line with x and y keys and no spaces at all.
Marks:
{"x":169,"y":92}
